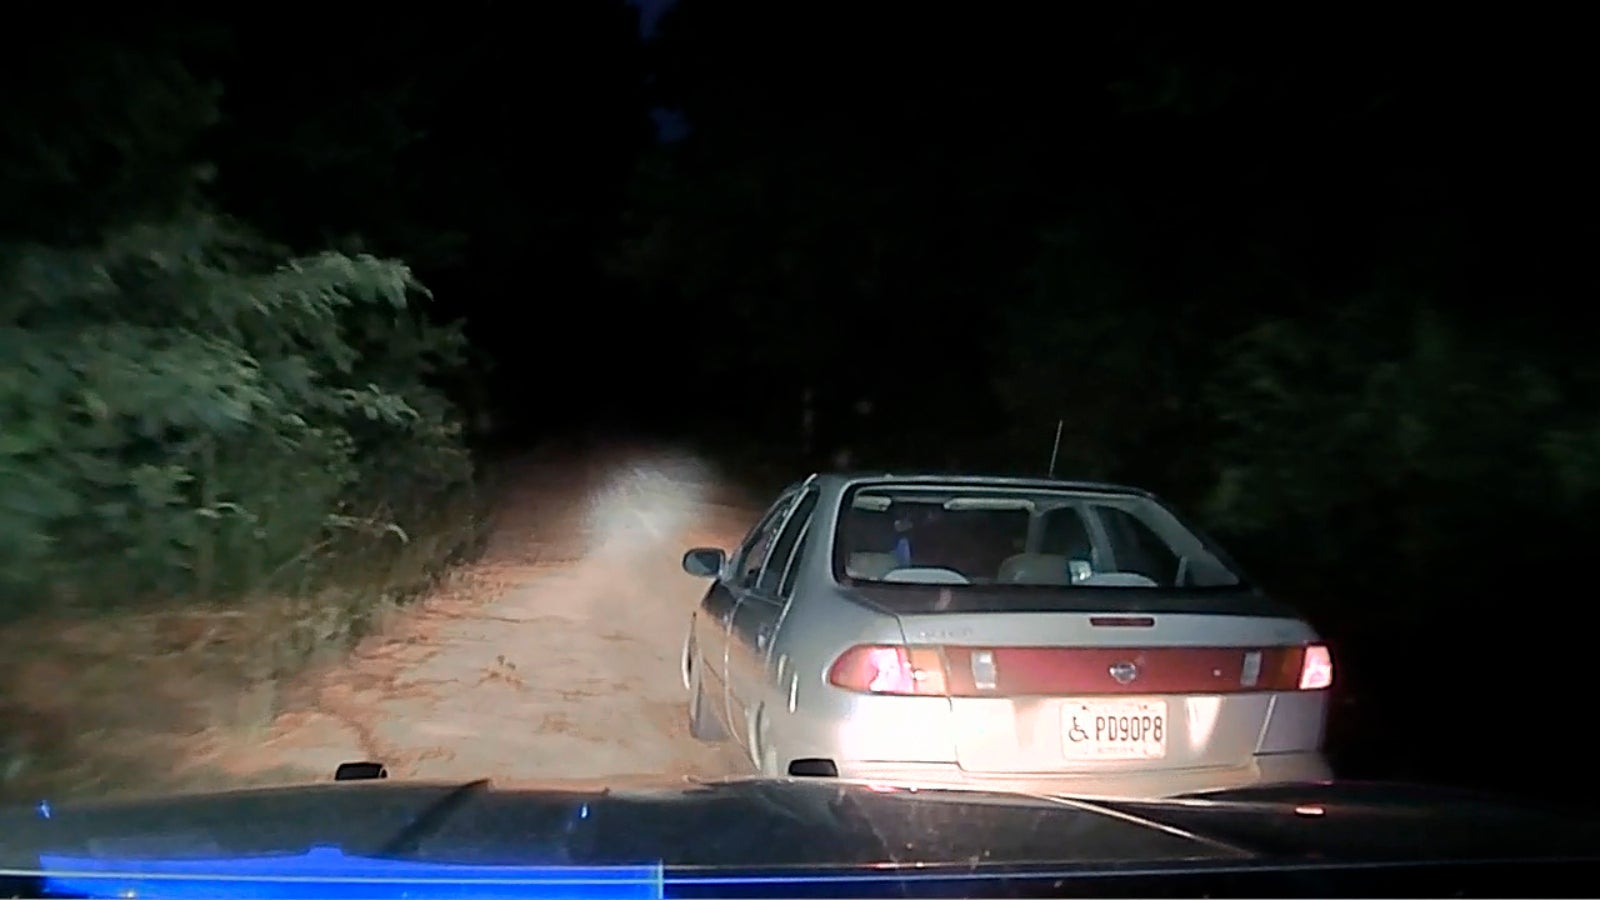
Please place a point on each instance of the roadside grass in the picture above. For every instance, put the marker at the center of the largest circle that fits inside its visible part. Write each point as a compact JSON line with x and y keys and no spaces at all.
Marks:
{"x":101,"y":700}
{"x":90,"y":699}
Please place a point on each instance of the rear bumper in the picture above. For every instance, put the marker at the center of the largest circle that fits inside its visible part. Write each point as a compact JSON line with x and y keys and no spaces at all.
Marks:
{"x":1262,"y":769}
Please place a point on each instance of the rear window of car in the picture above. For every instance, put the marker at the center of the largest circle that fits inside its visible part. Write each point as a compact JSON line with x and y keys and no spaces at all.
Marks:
{"x":982,"y":535}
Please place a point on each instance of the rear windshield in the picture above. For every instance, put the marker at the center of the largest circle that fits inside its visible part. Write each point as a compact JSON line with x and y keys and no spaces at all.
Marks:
{"x":972,"y":535}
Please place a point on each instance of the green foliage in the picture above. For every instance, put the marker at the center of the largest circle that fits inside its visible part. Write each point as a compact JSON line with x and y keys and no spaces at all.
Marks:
{"x":186,"y":412}
{"x":1078,"y":348}
{"x":1427,"y":440}
{"x":99,"y":128}
{"x":1368,"y":440}
{"x":1239,"y":272}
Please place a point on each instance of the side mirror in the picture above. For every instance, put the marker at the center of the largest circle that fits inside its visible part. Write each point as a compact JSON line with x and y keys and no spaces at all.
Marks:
{"x":705,"y":562}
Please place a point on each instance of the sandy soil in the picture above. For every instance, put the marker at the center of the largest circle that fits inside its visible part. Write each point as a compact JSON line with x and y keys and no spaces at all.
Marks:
{"x":556,"y":656}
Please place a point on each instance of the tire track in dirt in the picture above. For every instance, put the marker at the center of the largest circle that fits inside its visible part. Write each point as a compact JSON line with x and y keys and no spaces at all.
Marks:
{"x":554,"y":657}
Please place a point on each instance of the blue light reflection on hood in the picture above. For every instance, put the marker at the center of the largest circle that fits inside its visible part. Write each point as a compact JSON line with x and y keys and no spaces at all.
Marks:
{"x":327,"y":872}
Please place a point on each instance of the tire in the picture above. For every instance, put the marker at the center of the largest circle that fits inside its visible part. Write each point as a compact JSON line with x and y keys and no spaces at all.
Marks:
{"x":703,"y":723}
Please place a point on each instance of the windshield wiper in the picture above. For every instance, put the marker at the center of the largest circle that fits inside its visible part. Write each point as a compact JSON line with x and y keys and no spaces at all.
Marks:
{"x":410,"y":838}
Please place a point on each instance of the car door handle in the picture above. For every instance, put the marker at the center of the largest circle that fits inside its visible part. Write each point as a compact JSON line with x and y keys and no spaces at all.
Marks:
{"x":763,"y":635}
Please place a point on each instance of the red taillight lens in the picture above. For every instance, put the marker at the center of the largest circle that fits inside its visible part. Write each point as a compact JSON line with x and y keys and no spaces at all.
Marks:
{"x":1316,"y":671}
{"x":889,"y":669}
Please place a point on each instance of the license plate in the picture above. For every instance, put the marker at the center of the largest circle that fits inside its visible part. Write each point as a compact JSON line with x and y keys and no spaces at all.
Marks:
{"x":1114,"y":729}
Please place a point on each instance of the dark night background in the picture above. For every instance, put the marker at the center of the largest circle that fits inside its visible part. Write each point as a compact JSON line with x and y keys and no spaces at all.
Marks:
{"x":1321,"y":277}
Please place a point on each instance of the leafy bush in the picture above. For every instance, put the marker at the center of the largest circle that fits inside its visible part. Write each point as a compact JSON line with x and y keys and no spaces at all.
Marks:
{"x":1381,"y":441}
{"x":187,"y":411}
{"x":1384,"y":442}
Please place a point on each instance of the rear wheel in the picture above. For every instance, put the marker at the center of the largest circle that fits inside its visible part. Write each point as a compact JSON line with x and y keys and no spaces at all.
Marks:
{"x":703,"y":722}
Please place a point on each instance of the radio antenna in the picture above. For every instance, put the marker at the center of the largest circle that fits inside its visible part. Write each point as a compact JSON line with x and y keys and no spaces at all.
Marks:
{"x":1055,"y":448}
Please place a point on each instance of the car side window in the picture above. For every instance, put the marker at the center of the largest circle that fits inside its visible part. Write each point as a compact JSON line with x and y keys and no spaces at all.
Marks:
{"x":753,"y":555}
{"x":778,"y":561}
{"x":1137,"y":547}
{"x":1065,"y":534}
{"x":790,"y":572}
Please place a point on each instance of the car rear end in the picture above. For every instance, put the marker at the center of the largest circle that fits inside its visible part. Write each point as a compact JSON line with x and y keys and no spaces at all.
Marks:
{"x":1089,"y":704}
{"x":1097,"y":681}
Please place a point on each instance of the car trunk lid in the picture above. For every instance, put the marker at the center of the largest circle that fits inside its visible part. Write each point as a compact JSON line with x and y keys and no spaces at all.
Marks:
{"x":1104,"y":681}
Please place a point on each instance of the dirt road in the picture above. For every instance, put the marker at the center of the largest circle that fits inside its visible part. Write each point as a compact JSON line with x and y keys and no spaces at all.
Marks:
{"x":556,"y":656}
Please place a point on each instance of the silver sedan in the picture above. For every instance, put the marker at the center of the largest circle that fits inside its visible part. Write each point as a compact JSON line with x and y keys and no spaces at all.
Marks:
{"x":1018,"y":634}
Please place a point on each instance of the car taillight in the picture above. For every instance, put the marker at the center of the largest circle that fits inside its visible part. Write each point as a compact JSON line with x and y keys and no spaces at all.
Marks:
{"x":889,"y":669}
{"x":1316,"y":671}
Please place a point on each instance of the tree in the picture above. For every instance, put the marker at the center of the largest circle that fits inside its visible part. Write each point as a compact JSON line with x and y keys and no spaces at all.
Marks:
{"x":185,"y":407}
{"x":186,"y":413}
{"x":465,"y":141}
{"x":99,"y":128}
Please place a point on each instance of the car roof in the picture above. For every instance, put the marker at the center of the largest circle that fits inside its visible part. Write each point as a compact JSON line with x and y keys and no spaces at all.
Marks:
{"x":842,"y":480}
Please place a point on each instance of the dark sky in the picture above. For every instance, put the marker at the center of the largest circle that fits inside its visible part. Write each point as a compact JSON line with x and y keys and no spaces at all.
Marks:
{"x":650,"y":12}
